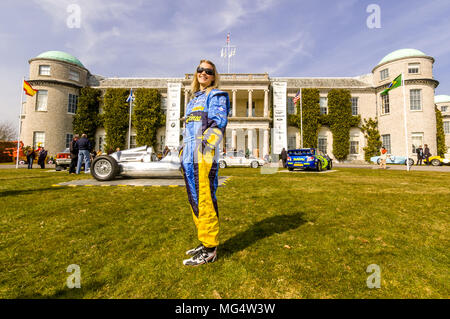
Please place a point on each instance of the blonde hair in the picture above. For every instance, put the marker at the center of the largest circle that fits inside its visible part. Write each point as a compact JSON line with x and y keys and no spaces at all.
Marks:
{"x":195,"y":86}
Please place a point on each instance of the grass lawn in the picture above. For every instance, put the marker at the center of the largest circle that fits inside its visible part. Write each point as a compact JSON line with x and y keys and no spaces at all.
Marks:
{"x":286,"y":235}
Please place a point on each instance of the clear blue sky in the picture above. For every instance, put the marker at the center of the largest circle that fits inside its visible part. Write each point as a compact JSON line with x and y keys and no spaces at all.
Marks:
{"x":163,"y":38}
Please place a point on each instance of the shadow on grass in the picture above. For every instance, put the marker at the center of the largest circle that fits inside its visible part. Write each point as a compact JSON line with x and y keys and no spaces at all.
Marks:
{"x":29,"y":191}
{"x":262,"y":229}
{"x":66,"y":293}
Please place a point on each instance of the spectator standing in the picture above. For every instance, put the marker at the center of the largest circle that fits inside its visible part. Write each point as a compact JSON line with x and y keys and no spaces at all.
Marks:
{"x":42,"y":157}
{"x":426,"y":154}
{"x":73,"y":154}
{"x":84,"y":147}
{"x":31,"y":155}
{"x":383,"y":158}
{"x":419,"y":152}
{"x":284,"y":157}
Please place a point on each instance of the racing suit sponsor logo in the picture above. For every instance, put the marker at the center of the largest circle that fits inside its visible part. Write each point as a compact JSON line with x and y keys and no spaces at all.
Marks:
{"x":194,"y":118}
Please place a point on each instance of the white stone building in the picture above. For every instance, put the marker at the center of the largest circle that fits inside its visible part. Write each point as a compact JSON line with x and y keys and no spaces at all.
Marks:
{"x":47,"y":117}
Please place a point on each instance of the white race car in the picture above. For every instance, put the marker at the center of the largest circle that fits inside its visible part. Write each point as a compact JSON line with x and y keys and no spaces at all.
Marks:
{"x":135,"y":162}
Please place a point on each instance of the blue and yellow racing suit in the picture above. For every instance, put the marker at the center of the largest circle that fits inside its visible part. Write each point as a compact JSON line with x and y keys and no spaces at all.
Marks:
{"x":206,"y":120}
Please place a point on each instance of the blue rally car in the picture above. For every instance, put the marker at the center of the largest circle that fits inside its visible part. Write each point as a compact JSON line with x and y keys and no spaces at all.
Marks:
{"x":308,"y":158}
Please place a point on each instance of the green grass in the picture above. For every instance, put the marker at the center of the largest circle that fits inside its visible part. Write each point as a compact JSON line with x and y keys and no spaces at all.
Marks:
{"x":286,"y":235}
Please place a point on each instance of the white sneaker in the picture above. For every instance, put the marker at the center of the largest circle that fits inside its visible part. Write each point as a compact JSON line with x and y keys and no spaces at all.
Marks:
{"x":204,"y":256}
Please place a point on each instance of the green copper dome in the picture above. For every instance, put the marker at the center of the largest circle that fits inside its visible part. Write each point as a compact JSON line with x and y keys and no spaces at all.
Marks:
{"x":442,"y":99}
{"x":402,"y":53}
{"x":61,"y":56}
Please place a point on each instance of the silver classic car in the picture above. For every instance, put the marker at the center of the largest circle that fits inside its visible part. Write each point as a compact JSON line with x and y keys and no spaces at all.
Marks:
{"x":234,"y":158}
{"x":135,"y":162}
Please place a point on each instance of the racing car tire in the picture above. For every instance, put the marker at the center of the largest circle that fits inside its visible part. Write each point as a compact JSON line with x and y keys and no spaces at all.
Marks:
{"x":104,"y":168}
{"x":436,"y":162}
{"x":319,"y":166}
{"x":290,"y":169}
{"x":222,"y":164}
{"x":254,"y":164}
{"x":330,"y":165}
{"x":411,"y":162}
{"x":59,"y":168}
{"x":379,"y":161}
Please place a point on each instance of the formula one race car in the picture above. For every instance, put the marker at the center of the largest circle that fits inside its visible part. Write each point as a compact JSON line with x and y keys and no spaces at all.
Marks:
{"x":308,"y":158}
{"x":135,"y":162}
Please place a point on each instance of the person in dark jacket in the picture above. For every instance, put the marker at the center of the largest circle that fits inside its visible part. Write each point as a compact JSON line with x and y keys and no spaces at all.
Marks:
{"x":42,"y":157}
{"x":84,"y":148}
{"x":31,"y":155}
{"x":284,"y":157}
{"x":73,"y":154}
{"x":419,"y":152}
{"x":426,"y":154}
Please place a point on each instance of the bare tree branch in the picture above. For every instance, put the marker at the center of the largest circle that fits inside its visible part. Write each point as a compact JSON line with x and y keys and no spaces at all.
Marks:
{"x":7,"y":131}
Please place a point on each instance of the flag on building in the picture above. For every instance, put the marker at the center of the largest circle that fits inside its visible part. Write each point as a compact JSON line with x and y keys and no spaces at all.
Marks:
{"x":394,"y":84}
{"x":297,"y":97}
{"x":130,"y":97}
{"x":28,"y":88}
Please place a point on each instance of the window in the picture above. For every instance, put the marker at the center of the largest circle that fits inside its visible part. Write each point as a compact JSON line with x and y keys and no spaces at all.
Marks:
{"x":44,"y":70}
{"x":354,"y":147}
{"x":73,"y":103}
{"x":322,"y":144}
{"x":291,"y":142}
{"x":386,"y":139}
{"x":385,"y":104}
{"x":384,"y":74}
{"x":253,"y":108}
{"x":290,"y":106}
{"x":413,"y":68}
{"x":415,"y":100}
{"x":74,"y":75}
{"x":38,"y":139}
{"x":447,"y":127}
{"x":162,"y":142}
{"x":69,"y":138}
{"x":133,"y":141}
{"x":164,"y":105}
{"x":354,"y":106}
{"x":101,"y":143}
{"x":417,"y":140}
{"x":41,"y":100}
{"x":323,"y":105}
{"x":444,"y":108}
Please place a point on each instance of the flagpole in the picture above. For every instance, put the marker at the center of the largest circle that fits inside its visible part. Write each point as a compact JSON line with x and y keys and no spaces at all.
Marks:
{"x":20,"y":123}
{"x":129,"y":123}
{"x":301,"y":119}
{"x":404,"y":120}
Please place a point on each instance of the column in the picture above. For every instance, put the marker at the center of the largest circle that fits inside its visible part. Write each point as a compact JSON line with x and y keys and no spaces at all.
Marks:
{"x":233,"y":140}
{"x":234,"y":104}
{"x":266,"y":103}
{"x":250,"y":140}
{"x":250,"y":102}
{"x":266,"y":142}
{"x":186,"y":99}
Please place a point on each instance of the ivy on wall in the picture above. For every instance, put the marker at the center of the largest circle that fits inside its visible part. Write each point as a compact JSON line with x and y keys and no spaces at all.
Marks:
{"x":440,"y":134}
{"x":372,"y":135}
{"x":147,"y":117}
{"x":341,"y":118}
{"x":311,"y":116}
{"x":86,"y":119}
{"x":115,"y":117}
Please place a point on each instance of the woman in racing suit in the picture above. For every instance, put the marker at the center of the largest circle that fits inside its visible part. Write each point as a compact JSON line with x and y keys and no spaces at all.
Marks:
{"x":206,"y":121}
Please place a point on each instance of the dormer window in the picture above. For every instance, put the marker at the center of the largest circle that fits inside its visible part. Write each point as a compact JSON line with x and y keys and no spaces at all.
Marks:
{"x":74,"y":75}
{"x":384,"y":74}
{"x":44,"y":70}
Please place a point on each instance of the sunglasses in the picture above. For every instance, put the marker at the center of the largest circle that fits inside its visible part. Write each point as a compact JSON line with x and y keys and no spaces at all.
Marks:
{"x":207,"y":71}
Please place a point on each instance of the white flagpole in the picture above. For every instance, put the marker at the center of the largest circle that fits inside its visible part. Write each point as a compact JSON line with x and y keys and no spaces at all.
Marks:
{"x":129,"y":125}
{"x":405,"y":122}
{"x":20,"y":122}
{"x":301,"y":119}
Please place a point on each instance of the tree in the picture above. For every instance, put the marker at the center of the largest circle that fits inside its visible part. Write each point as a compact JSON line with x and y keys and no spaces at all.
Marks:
{"x":372,"y":135}
{"x":440,"y":134}
{"x":86,"y":119}
{"x":115,"y":117}
{"x":7,"y":131}
{"x":147,"y":117}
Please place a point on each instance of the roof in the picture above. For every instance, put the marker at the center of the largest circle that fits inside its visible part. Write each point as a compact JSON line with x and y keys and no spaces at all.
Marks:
{"x":442,"y":99}
{"x":402,"y":53}
{"x":60,"y":56}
